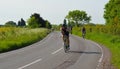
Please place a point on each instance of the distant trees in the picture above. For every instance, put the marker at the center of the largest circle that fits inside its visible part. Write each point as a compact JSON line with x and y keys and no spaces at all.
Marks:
{"x":48,"y":25}
{"x":10,"y":23}
{"x":21,"y":22}
{"x":78,"y":17}
{"x":35,"y":21}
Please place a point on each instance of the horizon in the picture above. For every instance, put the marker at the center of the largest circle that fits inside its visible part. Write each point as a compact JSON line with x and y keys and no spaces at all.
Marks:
{"x":53,"y":11}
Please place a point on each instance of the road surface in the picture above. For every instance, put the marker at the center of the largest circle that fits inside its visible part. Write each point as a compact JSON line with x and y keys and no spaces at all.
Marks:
{"x":49,"y":54}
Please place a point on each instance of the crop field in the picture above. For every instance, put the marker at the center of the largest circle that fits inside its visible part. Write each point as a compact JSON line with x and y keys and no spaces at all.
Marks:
{"x":13,"y":38}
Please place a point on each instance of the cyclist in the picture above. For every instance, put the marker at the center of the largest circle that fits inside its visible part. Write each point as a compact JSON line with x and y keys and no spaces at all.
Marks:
{"x":65,"y":33}
{"x":83,"y":32}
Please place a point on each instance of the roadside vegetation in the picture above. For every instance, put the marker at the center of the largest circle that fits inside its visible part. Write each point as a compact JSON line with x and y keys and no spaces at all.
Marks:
{"x":13,"y":38}
{"x":107,"y":34}
{"x":16,"y":35}
{"x":112,"y":42}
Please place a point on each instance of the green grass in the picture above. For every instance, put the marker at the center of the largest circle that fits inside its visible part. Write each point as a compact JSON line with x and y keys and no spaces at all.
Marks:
{"x":110,"y":41}
{"x":14,"y":38}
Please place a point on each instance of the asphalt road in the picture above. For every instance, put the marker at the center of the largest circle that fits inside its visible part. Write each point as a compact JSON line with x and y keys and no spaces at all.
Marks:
{"x":49,"y":54}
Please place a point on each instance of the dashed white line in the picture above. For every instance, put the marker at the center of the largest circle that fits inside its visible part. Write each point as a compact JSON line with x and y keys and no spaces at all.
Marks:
{"x":30,"y":64}
{"x":38,"y":60}
{"x":57,"y":50}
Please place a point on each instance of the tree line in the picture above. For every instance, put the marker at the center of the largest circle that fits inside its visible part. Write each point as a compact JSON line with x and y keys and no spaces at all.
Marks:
{"x":35,"y":21}
{"x":112,"y":16}
{"x":78,"y":18}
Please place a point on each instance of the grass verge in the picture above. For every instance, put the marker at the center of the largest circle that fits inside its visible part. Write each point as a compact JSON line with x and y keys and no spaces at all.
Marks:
{"x":14,"y":38}
{"x":112,"y":42}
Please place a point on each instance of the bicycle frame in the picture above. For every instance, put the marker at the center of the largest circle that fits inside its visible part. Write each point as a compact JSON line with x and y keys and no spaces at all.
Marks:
{"x":66,"y":43}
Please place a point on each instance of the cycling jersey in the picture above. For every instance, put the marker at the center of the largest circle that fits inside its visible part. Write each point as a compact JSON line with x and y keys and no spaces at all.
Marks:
{"x":64,"y":31}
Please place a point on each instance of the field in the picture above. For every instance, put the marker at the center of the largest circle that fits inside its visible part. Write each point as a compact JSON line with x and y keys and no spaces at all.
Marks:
{"x":13,"y":38}
{"x":112,"y":42}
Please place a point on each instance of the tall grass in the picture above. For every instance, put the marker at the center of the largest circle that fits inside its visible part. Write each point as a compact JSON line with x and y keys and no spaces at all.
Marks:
{"x":13,"y":38}
{"x":110,"y":41}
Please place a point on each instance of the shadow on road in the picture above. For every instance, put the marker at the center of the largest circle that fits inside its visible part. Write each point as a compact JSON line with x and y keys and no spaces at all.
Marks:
{"x":84,"y":52}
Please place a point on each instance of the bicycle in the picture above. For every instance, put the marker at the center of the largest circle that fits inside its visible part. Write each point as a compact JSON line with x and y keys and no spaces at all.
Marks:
{"x":66,"y":43}
{"x":83,"y":32}
{"x":83,"y":35}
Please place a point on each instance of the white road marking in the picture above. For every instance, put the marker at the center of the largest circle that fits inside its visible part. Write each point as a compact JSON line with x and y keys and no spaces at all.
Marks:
{"x":57,"y":50}
{"x":35,"y":60}
{"x":101,"y":58}
{"x":30,"y":64}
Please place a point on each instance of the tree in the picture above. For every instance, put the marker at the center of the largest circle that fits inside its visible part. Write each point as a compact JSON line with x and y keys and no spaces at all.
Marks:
{"x":56,"y":27}
{"x":10,"y":23}
{"x":78,"y":17}
{"x":48,"y":25}
{"x":21,"y":22}
{"x":112,"y":15}
{"x":112,"y":12}
{"x":39,"y":21}
{"x":33,"y":23}
{"x":71,"y":23}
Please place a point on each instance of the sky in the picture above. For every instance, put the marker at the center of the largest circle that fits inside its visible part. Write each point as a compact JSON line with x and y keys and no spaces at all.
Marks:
{"x":52,"y":10}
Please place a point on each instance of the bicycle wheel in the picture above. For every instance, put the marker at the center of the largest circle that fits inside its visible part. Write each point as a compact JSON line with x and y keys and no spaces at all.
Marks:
{"x":66,"y":44}
{"x":83,"y":35}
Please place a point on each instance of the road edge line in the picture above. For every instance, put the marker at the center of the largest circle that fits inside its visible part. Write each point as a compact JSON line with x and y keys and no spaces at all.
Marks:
{"x":101,"y":58}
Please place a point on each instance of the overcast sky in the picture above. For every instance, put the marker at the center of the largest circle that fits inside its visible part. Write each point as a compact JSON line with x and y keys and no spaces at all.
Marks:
{"x":51,"y":10}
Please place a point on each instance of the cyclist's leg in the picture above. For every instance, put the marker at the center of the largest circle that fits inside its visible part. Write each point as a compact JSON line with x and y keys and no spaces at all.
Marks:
{"x":83,"y":34}
{"x":68,"y":43}
{"x":65,"y":43}
{"x":64,"y":40}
